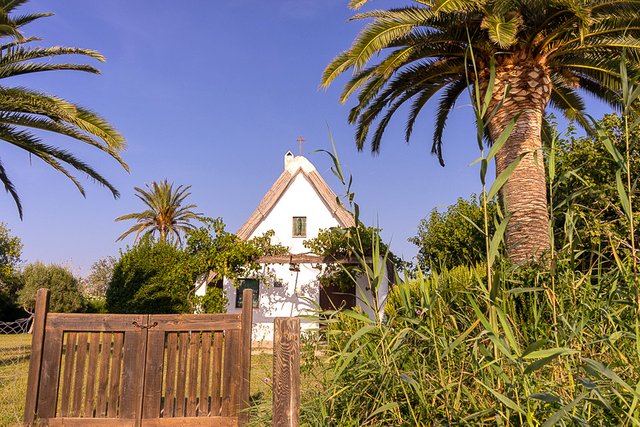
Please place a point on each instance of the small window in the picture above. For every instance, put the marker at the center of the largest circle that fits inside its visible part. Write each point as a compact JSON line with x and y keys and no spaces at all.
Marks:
{"x":299,"y":226}
{"x":248,"y":284}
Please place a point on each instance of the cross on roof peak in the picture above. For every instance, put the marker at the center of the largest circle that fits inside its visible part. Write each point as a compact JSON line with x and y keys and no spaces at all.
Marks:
{"x":300,"y":141}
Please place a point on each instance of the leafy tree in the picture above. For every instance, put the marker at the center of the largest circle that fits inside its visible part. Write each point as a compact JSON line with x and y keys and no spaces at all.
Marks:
{"x":97,"y":282}
{"x":151,"y":277}
{"x":586,"y":209}
{"x":65,"y":295}
{"x":165,"y":213}
{"x":10,"y":252}
{"x":542,"y":53}
{"x":339,"y":244}
{"x":23,"y":110}
{"x":453,"y":237}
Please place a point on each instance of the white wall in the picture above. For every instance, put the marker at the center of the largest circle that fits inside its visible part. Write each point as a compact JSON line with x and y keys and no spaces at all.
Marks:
{"x":299,"y":296}
{"x":300,"y":199}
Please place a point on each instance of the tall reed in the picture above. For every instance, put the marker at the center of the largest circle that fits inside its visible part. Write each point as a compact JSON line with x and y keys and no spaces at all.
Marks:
{"x":493,"y":344}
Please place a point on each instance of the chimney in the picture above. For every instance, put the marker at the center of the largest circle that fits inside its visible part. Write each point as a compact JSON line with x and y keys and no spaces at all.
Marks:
{"x":288,"y":158}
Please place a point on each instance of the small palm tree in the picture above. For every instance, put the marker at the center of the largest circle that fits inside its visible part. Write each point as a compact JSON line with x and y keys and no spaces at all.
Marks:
{"x":544,"y":51}
{"x":23,"y":110}
{"x":165,"y":214}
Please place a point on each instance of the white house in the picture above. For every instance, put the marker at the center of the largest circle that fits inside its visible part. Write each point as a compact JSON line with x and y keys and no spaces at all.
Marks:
{"x":296,"y":207}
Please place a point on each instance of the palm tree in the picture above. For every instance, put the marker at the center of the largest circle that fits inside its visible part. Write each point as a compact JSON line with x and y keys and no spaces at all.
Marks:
{"x":165,"y":213}
{"x":23,"y":110}
{"x":543,"y":51}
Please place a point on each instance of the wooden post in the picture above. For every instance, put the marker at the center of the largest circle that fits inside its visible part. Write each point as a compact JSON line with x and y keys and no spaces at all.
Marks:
{"x":37,"y":342}
{"x":286,"y":372}
{"x":245,"y":354}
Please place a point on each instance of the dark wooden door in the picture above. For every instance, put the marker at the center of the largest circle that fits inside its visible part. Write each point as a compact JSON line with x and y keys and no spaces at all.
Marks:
{"x":333,"y":297}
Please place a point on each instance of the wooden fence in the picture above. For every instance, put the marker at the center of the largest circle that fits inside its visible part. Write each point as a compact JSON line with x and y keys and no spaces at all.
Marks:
{"x":154,"y":370}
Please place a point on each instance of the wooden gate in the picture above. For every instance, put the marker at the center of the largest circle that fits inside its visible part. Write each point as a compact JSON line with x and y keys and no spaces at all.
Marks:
{"x":139,"y":370}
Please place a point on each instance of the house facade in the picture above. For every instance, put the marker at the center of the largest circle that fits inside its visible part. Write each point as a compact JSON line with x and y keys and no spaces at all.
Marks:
{"x":296,"y":207}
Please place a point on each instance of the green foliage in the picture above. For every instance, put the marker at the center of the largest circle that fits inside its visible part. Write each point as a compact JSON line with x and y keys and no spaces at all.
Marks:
{"x":214,"y":300}
{"x":96,"y":283}
{"x":340,"y":247}
{"x":151,"y":277}
{"x":10,"y":252}
{"x":438,"y":359}
{"x":453,"y":237}
{"x":96,"y":305}
{"x":159,"y":277}
{"x":586,"y":190}
{"x":65,"y":295}
{"x":24,"y":110}
{"x":225,"y":254}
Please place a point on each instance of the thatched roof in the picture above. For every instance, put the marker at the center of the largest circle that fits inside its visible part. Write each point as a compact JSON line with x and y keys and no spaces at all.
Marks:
{"x":294,"y":167}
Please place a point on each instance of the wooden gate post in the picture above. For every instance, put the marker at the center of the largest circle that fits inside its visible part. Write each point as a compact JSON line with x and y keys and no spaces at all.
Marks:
{"x":37,"y":341}
{"x":286,"y":372}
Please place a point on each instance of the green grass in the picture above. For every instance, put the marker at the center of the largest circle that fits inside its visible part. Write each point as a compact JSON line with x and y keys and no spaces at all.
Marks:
{"x":14,"y":365}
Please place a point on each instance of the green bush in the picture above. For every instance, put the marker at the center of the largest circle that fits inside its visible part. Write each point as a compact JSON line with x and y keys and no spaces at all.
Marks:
{"x":453,"y":237}
{"x":96,"y":305}
{"x":214,"y":300}
{"x":10,"y":252}
{"x":151,"y":277}
{"x":64,"y":291}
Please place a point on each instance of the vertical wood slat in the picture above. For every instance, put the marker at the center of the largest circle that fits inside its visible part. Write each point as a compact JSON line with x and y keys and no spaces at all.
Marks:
{"x":244,"y":380}
{"x":170,"y":381}
{"x":50,"y":377}
{"x":67,"y":374}
{"x":205,"y":378}
{"x":286,"y":372}
{"x":89,"y":396}
{"x":183,"y":342}
{"x":192,"y":392}
{"x":230,"y":371}
{"x":35,"y":362}
{"x":153,"y":374}
{"x":114,"y":378}
{"x":103,"y":376}
{"x":216,"y":375}
{"x":133,"y":370}
{"x":78,"y":381}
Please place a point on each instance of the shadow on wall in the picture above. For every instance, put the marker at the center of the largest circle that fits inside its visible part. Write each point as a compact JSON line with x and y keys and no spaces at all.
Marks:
{"x":283,"y":293}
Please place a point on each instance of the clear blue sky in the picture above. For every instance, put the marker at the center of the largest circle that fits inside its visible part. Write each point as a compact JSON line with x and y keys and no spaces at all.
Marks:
{"x":212,"y":94}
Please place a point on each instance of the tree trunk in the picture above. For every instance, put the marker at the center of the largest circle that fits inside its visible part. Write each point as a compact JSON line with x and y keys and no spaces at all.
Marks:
{"x":524,"y":195}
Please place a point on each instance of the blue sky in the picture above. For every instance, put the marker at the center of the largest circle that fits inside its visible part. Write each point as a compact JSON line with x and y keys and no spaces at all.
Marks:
{"x":212,"y":95}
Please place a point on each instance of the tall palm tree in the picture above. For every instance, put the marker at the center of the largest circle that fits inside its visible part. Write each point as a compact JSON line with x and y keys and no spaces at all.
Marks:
{"x":165,"y":213}
{"x":544,"y":51}
{"x":23,"y":110}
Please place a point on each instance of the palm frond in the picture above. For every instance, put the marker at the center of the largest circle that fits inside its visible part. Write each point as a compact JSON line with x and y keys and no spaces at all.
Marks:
{"x":447,"y":101}
{"x":8,"y":186}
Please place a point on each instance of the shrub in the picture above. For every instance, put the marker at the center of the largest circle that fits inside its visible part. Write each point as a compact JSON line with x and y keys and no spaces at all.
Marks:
{"x":65,"y":295}
{"x":151,"y":277}
{"x":450,"y":238}
{"x":214,"y":300}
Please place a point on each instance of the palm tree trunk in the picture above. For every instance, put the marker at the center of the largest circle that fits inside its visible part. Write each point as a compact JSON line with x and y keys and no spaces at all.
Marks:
{"x":524,"y":195}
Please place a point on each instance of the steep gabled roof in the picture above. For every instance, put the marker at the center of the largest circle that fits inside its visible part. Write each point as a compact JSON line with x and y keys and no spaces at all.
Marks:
{"x":296,"y":166}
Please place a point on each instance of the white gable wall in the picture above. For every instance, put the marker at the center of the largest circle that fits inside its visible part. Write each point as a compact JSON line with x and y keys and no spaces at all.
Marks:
{"x":300,"y":199}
